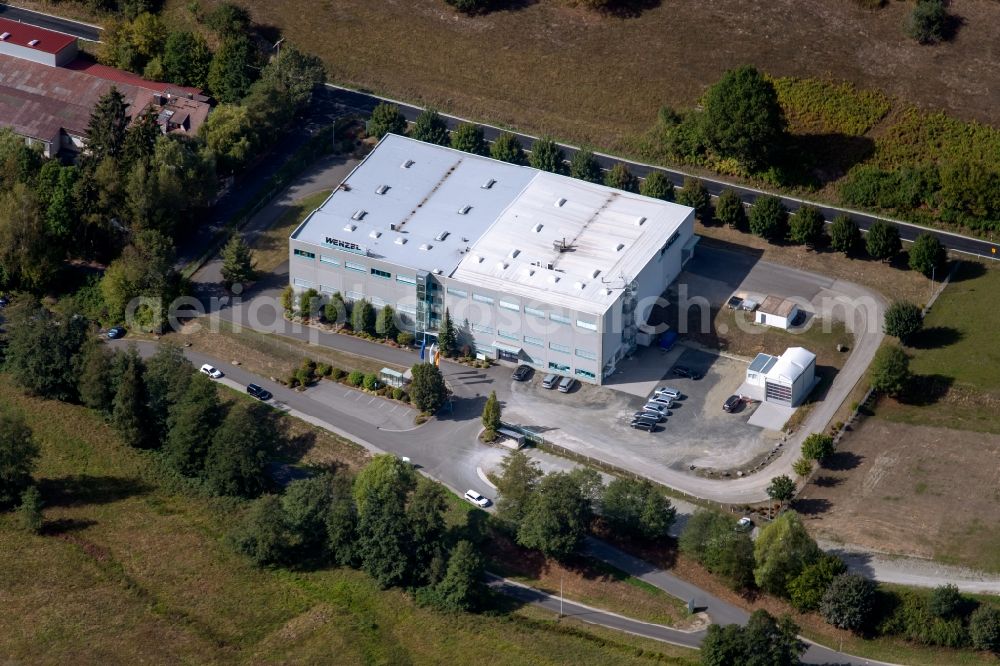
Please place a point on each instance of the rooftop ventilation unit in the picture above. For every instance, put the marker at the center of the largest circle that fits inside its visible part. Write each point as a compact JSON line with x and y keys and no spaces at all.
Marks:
{"x":33,"y":42}
{"x":620,"y":247}
{"x":350,"y":227}
{"x":561,"y":246}
{"x":641,"y":221}
{"x":550,"y":266}
{"x":425,"y":246}
{"x":437,"y":271}
{"x":464,"y":210}
{"x":553,"y":279}
{"x":359,"y":214}
{"x":381,"y":189}
{"x":502,"y":265}
{"x":4,"y":36}
{"x":560,"y":202}
{"x":392,"y":226}
{"x":531,"y":271}
{"x":489,"y":184}
{"x":607,"y":292}
{"x":406,"y":165}
{"x":374,"y":234}
{"x":400,"y":240}
{"x":595,"y":273}
{"x":513,"y":253}
{"x":579,"y":285}
{"x":441,"y":236}
{"x":478,"y":258}
{"x":537,"y":228}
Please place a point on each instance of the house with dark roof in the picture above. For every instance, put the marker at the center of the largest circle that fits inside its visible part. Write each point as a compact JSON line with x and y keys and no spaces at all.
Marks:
{"x":47,"y":92}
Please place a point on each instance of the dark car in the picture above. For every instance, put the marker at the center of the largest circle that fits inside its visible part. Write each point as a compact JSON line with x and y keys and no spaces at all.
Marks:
{"x":4,"y":302}
{"x":684,"y":371}
{"x":642,"y":424}
{"x":522,"y":373}
{"x":116,"y":332}
{"x":259,"y":392}
{"x":650,"y":416}
{"x":732,"y":403}
{"x":734,"y":302}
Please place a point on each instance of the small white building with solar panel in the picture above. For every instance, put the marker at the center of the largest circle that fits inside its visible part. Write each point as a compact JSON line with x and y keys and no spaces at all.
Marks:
{"x":786,"y":379}
{"x":533,"y":267}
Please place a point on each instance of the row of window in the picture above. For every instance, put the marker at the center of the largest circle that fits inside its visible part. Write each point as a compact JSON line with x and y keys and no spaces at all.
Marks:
{"x":354,"y":266}
{"x":579,"y":372}
{"x":514,"y":307}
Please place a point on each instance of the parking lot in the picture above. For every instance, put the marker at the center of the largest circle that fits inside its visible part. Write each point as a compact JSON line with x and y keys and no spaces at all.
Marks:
{"x":385,"y":414}
{"x":594,"y":420}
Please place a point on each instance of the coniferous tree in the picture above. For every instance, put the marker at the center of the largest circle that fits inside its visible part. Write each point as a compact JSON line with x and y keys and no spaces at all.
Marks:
{"x":29,"y":512}
{"x":342,"y":521}
{"x":695,"y":194}
{"x":507,"y":148}
{"x":240,"y":449}
{"x":431,"y":128}
{"x":262,"y":535}
{"x":491,"y":416}
{"x":459,"y":589}
{"x":518,"y":479}
{"x":128,"y":414}
{"x":191,"y":423}
{"x":140,"y":139}
{"x":547,"y":156}
{"x":447,"y":339}
{"x":386,"y":118}
{"x":658,"y":186}
{"x":425,"y":514}
{"x":363,"y":317}
{"x":167,"y":375}
{"x":469,"y":137}
{"x":621,"y":178}
{"x":882,"y":240}
{"x":844,"y":235}
{"x":385,"y":323}
{"x":584,"y":166}
{"x":237,"y":262}
{"x":427,"y":388}
{"x":18,"y":456}
{"x":729,"y":210}
{"x":94,"y":384}
{"x":107,"y":128}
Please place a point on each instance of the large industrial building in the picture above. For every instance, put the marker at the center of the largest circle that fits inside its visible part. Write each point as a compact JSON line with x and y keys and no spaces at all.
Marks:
{"x":533,"y":267}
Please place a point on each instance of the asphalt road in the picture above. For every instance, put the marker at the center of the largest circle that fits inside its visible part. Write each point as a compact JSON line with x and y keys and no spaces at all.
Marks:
{"x":49,"y":22}
{"x":362,"y":102}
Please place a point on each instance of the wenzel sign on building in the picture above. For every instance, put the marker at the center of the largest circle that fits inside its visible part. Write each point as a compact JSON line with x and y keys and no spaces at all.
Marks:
{"x":345,"y":245}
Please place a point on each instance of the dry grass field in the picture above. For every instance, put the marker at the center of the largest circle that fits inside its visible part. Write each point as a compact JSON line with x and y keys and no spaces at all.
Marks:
{"x":911,"y":490}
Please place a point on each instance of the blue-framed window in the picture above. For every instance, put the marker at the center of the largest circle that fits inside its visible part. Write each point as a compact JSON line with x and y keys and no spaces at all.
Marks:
{"x":585,"y":373}
{"x":559,"y":367}
{"x":304,"y":254}
{"x":385,"y":275}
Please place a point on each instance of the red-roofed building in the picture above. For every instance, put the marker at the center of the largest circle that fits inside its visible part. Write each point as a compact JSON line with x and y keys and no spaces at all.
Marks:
{"x":47,"y":94}
{"x":36,"y":44}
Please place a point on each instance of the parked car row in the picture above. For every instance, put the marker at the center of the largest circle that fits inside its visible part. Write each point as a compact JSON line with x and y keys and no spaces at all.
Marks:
{"x":656,"y":410}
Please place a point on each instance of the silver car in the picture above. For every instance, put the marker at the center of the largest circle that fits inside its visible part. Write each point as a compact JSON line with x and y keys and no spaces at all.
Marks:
{"x":662,"y":400}
{"x":656,"y":408}
{"x":667,"y":392}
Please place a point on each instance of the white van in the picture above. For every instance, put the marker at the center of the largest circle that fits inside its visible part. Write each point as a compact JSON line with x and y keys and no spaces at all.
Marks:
{"x":567,"y":384}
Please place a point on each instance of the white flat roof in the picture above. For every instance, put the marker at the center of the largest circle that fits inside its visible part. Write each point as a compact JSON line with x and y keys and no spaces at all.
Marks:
{"x":423,"y":200}
{"x":792,"y":364}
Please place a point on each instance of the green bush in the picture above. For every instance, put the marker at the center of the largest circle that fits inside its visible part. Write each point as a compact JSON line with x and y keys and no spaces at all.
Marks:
{"x":356,"y":378}
{"x":398,"y":394}
{"x":902,"y":320}
{"x":769,"y":218}
{"x":405,"y":338}
{"x":882,"y":240}
{"x":927,"y":255}
{"x":729,"y":210}
{"x":984,"y":628}
{"x":370,"y":382}
{"x":336,"y":374}
{"x":928,"y":22}
{"x":844,"y":235}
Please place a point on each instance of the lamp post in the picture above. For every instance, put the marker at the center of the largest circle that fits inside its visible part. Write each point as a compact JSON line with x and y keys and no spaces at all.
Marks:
{"x":277,"y":46}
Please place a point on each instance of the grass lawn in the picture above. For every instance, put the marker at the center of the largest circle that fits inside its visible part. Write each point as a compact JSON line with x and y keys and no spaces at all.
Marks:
{"x":130,"y":570}
{"x":270,"y":248}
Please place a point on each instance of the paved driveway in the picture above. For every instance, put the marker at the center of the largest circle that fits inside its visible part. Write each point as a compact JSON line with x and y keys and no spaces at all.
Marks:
{"x":373,"y":409}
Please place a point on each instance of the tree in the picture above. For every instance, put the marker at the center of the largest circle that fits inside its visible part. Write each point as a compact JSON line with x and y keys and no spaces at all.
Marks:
{"x":342,"y":521}
{"x":228,"y":18}
{"x":29,"y":512}
{"x":806,"y":590}
{"x":817,"y":446}
{"x":946,"y":601}
{"x":425,"y":515}
{"x":712,"y":539}
{"x":890,"y":370}
{"x":657,"y":186}
{"x":237,"y":262}
{"x":385,"y":323}
{"x":491,"y":417}
{"x":844,"y":235}
{"x":459,"y":589}
{"x":507,"y":148}
{"x":782,"y":550}
{"x":636,"y":507}
{"x":928,"y":22}
{"x":427,"y":388}
{"x":984,"y":628}
{"x":807,"y":226}
{"x":802,"y":467}
{"x":926,"y":254}
{"x":230,"y":135}
{"x":41,"y":350}
{"x":236,"y":458}
{"x":701,"y":530}
{"x":142,"y":281}
{"x":335,"y":311}
{"x":546,"y":155}
{"x":294,"y":76}
{"x":447,"y":340}
{"x":517,"y":481}
{"x":386,"y":119}
{"x":848,"y":602}
{"x":305,"y":506}
{"x":430,"y":127}
{"x":743,"y":118}
{"x":882,"y":241}
{"x":18,"y":456}
{"x":191,"y":424}
{"x":695,"y":194}
{"x":231,"y":73}
{"x":167,"y":375}
{"x":781,"y":488}
{"x":763,"y":640}
{"x":621,"y":178}
{"x":186,"y":59}
{"x":469,"y":137}
{"x":262,"y":535}
{"x":94,"y":384}
{"x":557,"y":516}
{"x":140,"y":139}
{"x":128,"y":412}
{"x":769,"y":218}
{"x":28,"y":257}
{"x":584,"y":166}
{"x":288,"y":300}
{"x":729,"y":210}
{"x":903,"y":320}
{"x":383,"y":531}
{"x":309,"y":308}
{"x":107,"y":127}
{"x":363,"y":317}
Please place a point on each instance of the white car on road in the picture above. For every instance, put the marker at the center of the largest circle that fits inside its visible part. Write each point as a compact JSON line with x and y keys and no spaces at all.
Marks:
{"x":477,"y":499}
{"x":211,"y":371}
